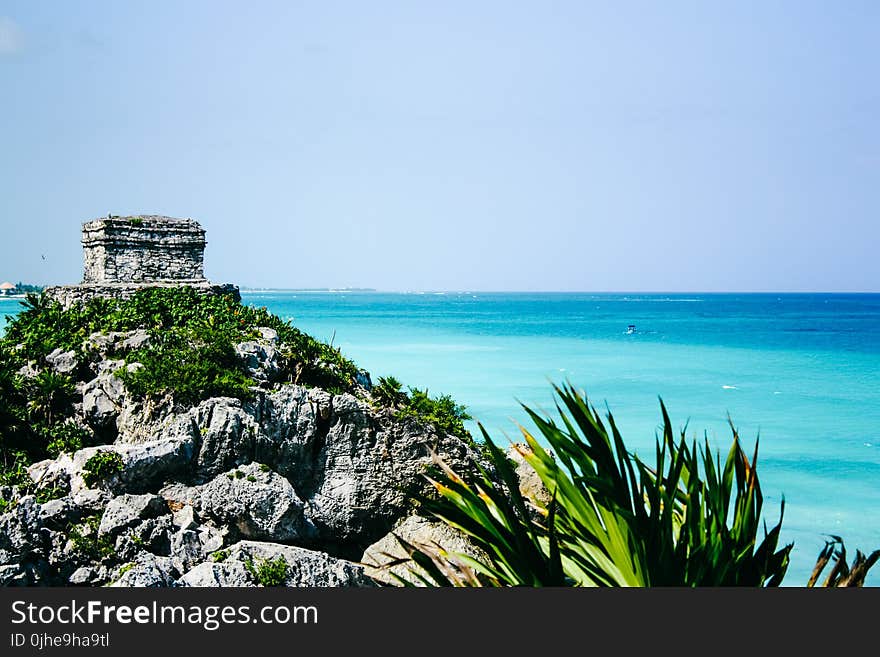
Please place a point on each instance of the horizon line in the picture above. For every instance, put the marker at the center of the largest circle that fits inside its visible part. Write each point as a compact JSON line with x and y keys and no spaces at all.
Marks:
{"x":489,"y":291}
{"x":251,"y":288}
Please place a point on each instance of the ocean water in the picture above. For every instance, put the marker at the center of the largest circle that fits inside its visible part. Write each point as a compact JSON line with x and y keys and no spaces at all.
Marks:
{"x":800,"y":371}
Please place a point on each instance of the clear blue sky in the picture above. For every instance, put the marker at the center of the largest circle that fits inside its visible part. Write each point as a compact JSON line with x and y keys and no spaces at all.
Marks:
{"x":453,"y":145}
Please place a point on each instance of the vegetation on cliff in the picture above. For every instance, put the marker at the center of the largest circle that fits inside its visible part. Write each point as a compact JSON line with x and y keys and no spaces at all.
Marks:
{"x":190,"y":354}
{"x":193,"y":336}
{"x":443,"y":411}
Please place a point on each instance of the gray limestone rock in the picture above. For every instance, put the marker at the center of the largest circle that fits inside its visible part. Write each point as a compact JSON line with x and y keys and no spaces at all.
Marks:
{"x":380,"y":559}
{"x":52,"y":473}
{"x":63,"y":362}
{"x":136,"y":339}
{"x":260,"y":358}
{"x":530,"y":485}
{"x":257,"y":502}
{"x":107,"y":367}
{"x":186,"y":547}
{"x":227,"y":435}
{"x":90,"y":500}
{"x":148,"y":570}
{"x":28,"y":370}
{"x":367,"y":471}
{"x":105,"y":345}
{"x":58,"y":514}
{"x":82,"y":576}
{"x":150,"y":535}
{"x":15,"y":575}
{"x":227,"y":573}
{"x":148,"y":465}
{"x":211,"y":539}
{"x":339,"y":474}
{"x":102,"y":400}
{"x":20,"y":536}
{"x":145,"y":466}
{"x":185,"y":518}
{"x":143,"y":421}
{"x":125,"y":511}
{"x":293,"y":420}
{"x":62,"y":558}
{"x":305,"y":567}
{"x":282,"y":428}
{"x":99,"y":344}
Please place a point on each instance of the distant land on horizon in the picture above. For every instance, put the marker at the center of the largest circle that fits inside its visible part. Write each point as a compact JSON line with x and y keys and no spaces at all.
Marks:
{"x":27,"y":287}
{"x":618,"y":292}
{"x":244,"y":288}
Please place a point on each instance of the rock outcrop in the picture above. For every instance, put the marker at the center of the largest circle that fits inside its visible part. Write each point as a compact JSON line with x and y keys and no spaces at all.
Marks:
{"x":202,"y":495}
{"x":168,"y":494}
{"x":385,"y":560}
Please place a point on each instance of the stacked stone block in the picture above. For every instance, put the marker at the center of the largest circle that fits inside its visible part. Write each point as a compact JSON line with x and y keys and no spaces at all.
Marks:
{"x":143,"y":249}
{"x":124,"y":254}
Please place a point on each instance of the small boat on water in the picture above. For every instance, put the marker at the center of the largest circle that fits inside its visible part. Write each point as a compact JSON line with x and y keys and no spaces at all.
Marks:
{"x":630,"y":329}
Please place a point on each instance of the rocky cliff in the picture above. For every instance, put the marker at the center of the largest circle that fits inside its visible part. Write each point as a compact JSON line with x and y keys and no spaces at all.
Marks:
{"x":290,"y":484}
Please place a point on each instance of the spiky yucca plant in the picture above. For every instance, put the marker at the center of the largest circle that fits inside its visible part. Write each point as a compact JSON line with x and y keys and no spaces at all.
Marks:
{"x":686,"y":520}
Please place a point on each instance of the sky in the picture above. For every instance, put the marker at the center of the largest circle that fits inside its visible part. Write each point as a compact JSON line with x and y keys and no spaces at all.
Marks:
{"x":476,"y":145}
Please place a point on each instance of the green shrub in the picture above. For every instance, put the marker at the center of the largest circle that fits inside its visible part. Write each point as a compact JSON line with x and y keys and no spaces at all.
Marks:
{"x":65,"y":438}
{"x":14,"y":471}
{"x":389,"y":392}
{"x":219,"y":556}
{"x":44,"y":495}
{"x":102,"y":466}
{"x":192,"y":338}
{"x":49,"y":395}
{"x":442,"y":412}
{"x":124,"y":568}
{"x":191,"y":364}
{"x":269,"y":572}
{"x":14,"y":433}
{"x":16,"y":474}
{"x":86,"y":542}
{"x":190,"y":356}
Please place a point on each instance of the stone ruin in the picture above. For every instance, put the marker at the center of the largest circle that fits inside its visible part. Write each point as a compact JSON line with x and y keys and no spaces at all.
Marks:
{"x":124,"y":254}
{"x":143,"y":250}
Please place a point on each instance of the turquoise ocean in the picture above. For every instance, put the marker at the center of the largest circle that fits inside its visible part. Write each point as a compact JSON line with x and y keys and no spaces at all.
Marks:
{"x":802,"y":371}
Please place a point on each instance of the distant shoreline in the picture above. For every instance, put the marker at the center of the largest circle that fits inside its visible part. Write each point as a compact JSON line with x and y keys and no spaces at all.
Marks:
{"x":331,"y":290}
{"x":655,"y":293}
{"x":307,"y":289}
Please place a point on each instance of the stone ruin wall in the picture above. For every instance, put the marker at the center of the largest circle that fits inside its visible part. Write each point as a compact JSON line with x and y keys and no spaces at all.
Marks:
{"x":122,"y":255}
{"x":143,"y":250}
{"x":68,"y":295}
